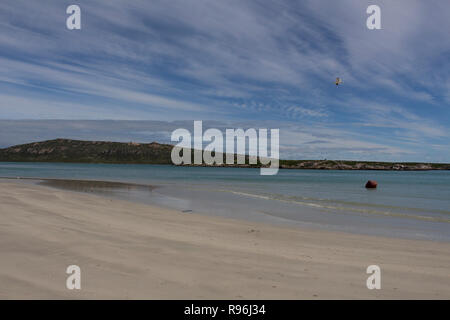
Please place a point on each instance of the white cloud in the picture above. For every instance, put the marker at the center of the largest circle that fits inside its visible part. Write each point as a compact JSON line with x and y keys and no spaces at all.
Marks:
{"x":231,"y":60}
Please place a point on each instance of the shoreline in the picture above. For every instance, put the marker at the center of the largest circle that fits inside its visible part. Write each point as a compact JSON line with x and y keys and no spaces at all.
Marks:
{"x":135,"y":251}
{"x":282,"y":167}
{"x":142,"y":193}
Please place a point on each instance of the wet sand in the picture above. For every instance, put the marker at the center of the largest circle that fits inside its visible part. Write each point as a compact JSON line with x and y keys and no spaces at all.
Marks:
{"x":135,"y":251}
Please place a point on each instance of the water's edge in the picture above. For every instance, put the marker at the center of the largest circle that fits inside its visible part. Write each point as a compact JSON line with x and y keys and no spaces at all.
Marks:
{"x":406,"y":205}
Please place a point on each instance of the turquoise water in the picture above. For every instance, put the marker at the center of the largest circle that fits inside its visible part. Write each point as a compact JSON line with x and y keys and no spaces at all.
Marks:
{"x":406,"y":204}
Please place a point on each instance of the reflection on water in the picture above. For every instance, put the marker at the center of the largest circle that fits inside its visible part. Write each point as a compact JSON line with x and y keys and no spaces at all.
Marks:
{"x":97,"y":187}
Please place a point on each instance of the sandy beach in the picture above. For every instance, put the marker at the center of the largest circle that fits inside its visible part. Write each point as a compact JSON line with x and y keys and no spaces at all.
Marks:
{"x":136,"y":251}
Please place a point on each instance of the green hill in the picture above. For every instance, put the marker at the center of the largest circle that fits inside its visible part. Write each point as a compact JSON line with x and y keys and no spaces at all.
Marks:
{"x":65,"y":150}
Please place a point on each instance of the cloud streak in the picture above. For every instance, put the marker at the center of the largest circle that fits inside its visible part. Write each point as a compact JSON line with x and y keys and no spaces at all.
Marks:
{"x":238,"y":61}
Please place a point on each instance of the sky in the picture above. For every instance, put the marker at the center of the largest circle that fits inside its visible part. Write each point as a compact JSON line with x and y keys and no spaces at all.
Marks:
{"x":139,"y":69}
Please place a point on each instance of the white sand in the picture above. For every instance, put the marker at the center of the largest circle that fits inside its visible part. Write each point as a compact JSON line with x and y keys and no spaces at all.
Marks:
{"x":128,"y":250}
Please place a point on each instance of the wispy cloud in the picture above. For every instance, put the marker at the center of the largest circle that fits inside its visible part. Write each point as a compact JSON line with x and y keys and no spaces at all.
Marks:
{"x":238,"y":60}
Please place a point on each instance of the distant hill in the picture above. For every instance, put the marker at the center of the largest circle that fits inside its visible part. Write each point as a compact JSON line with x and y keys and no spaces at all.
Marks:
{"x":361,"y":165}
{"x":65,"y":150}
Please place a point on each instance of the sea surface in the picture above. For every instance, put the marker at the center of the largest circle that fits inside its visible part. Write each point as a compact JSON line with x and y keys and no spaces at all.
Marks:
{"x":406,"y":204}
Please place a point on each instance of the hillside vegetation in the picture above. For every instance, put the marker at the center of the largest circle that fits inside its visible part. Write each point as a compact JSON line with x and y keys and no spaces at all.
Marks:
{"x":65,"y":150}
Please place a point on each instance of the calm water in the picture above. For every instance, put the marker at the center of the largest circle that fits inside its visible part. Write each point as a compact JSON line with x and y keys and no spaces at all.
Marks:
{"x":406,"y":204}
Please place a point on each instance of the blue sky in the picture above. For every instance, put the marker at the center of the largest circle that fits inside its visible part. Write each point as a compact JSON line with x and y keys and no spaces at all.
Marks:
{"x":234,"y":63}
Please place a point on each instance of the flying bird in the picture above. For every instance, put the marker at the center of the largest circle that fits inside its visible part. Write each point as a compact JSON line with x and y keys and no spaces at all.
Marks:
{"x":338,"y":81}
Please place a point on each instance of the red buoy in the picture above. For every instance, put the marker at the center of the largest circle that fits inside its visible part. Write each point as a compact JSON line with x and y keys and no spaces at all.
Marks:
{"x":371,"y":184}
